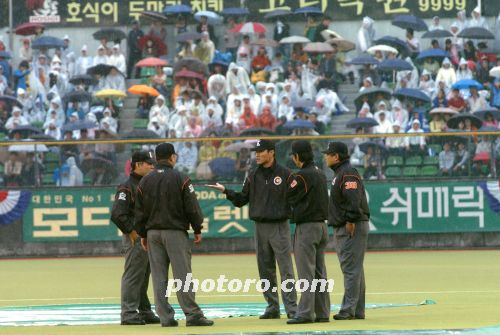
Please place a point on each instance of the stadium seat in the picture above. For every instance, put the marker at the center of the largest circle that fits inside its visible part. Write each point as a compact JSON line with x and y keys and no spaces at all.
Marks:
{"x":435,"y":148}
{"x":413,"y":161}
{"x":410,"y":171}
{"x":3,"y":136}
{"x":48,"y":179}
{"x":37,"y":124}
{"x":87,"y":180}
{"x":51,"y":166}
{"x":394,"y":161}
{"x":51,"y":157}
{"x":431,"y":160}
{"x":141,"y":123}
{"x":429,"y":171}
{"x":393,"y":172}
{"x":1,"y":169}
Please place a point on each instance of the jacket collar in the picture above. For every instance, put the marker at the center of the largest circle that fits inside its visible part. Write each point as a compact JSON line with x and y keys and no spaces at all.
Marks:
{"x":163,"y":164}
{"x":339,"y":165}
{"x":135,"y":176}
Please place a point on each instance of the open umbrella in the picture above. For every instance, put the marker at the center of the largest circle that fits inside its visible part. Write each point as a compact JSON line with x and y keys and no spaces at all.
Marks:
{"x":78,"y":125}
{"x":482,"y":157}
{"x":212,"y":18}
{"x":372,"y":94}
{"x":141,"y":133}
{"x":364,"y":60}
{"x":110,"y":93}
{"x":277,"y":13}
{"x":495,"y":72}
{"x":456,"y":119}
{"x":188,"y":36}
{"x":155,"y":16}
{"x":395,"y":64}
{"x":189,"y":74}
{"x":88,"y":164}
{"x":256,"y":132}
{"x":236,"y":147}
{"x":223,"y":167}
{"x":411,"y":94}
{"x":78,"y":96}
{"x":443,"y":110}
{"x":328,"y":34}
{"x":177,"y":9}
{"x":382,"y":48}
{"x":192,"y":64}
{"x":235,"y":11}
{"x":299,"y":124}
{"x":467,"y":83}
{"x":294,"y":39}
{"x":309,"y":10}
{"x":410,"y":21}
{"x":438,"y":33}
{"x":28,"y":28}
{"x":47,"y":42}
{"x":303,"y":103}
{"x":432,"y":53}
{"x":10,"y":101}
{"x":483,"y":112}
{"x":318,"y":47}
{"x":109,"y":34}
{"x":83,"y":79}
{"x":361,"y":122}
{"x":159,"y":45}
{"x":342,"y":44}
{"x":28,"y":148}
{"x":100,"y":69}
{"x":5,"y":55}
{"x":151,"y":62}
{"x":395,"y":42}
{"x":264,"y":42}
{"x":365,"y":145}
{"x":42,"y":137}
{"x":249,"y":28}
{"x":476,"y":33}
{"x":143,"y":89}
{"x":25,"y":131}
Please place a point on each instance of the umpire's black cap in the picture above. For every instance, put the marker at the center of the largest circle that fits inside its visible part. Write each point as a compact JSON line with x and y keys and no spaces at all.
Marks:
{"x":164,"y":151}
{"x":142,"y":156}
{"x":300,"y":146}
{"x":264,"y":145}
{"x":337,"y":148}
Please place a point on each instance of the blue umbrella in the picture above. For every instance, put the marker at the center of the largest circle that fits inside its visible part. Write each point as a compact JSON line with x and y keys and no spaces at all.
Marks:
{"x":296,"y":124}
{"x":492,"y":110}
{"x":11,"y":101}
{"x":47,"y":42}
{"x":410,"y":21}
{"x":25,"y":130}
{"x":78,"y":125}
{"x":223,"y":167}
{"x":364,"y":60}
{"x":438,"y":53}
{"x":412,"y":94}
{"x":467,"y":83}
{"x":177,"y":9}
{"x":212,"y":18}
{"x":394,"y":42}
{"x":365,"y":145}
{"x":395,"y":65}
{"x":361,"y":122}
{"x":308,"y":10}
{"x":5,"y":54}
{"x":235,"y":11}
{"x":438,"y":33}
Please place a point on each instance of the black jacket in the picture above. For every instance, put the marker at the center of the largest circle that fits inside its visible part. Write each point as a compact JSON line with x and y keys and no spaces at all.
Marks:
{"x":122,"y":213}
{"x":308,"y":195}
{"x":347,"y":197}
{"x":265,"y":190}
{"x":166,"y":201}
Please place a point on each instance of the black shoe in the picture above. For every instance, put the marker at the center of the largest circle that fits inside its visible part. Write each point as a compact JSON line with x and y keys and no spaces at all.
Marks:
{"x":200,"y":322}
{"x":290,"y":316}
{"x":151,"y":319}
{"x":297,"y":321}
{"x":359,"y":317}
{"x":170,"y":323}
{"x":137,"y":321}
{"x":322,"y":320}
{"x":343,"y":316}
{"x":270,"y":315}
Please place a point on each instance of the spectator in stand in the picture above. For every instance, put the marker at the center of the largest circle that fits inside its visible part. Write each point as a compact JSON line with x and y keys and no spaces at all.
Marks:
{"x":188,"y":158}
{"x":16,"y":119}
{"x":477,"y":20}
{"x":440,"y":100}
{"x":446,"y":74}
{"x":266,"y":119}
{"x":437,"y":124}
{"x":84,"y":62}
{"x":482,"y":74}
{"x":25,"y":52}
{"x":324,"y":25}
{"x":495,"y":93}
{"x":431,"y":65}
{"x":384,"y":125}
{"x":12,"y":170}
{"x":412,"y":42}
{"x":446,"y":160}
{"x":205,"y":49}
{"x":476,"y":101}
{"x":372,"y":162}
{"x":415,"y":144}
{"x":319,"y":126}
{"x":117,"y":59}
{"x":456,"y":101}
{"x":395,"y":144}
{"x":102,"y":57}
{"x":426,"y":84}
{"x":248,"y":118}
{"x":489,"y":121}
{"x":115,"y":80}
{"x":134,"y":52}
{"x":398,"y":114}
{"x":463,"y":71}
{"x":461,"y":166}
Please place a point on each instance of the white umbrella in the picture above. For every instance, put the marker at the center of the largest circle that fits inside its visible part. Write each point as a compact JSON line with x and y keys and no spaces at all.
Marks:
{"x":443,"y":110}
{"x":495,"y":72}
{"x":236,"y":147}
{"x":382,"y":48}
{"x":212,"y":18}
{"x":294,"y":39}
{"x":342,"y":44}
{"x":318,"y":47}
{"x":28,"y":148}
{"x":329,"y":34}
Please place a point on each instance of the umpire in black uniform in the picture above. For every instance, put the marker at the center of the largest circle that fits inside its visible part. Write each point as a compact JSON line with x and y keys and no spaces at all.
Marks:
{"x":265,"y":189}
{"x":165,"y":208}
{"x":135,"y":306}
{"x":349,"y":214}
{"x":308,"y":195}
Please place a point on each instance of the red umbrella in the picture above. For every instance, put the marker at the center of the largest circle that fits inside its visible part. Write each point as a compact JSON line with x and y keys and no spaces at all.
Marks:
{"x":28,"y":28}
{"x":151,"y":62}
{"x":188,"y":74}
{"x":158,"y":45}
{"x":249,"y":28}
{"x":482,"y":156}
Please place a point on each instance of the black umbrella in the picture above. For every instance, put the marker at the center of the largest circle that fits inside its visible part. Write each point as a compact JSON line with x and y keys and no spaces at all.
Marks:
{"x":100,"y":69}
{"x":299,"y":124}
{"x":192,"y":64}
{"x":394,"y":42}
{"x":11,"y":101}
{"x":83,"y":79}
{"x":364,"y":60}
{"x":277,"y":13}
{"x":155,"y":16}
{"x":78,"y":125}
{"x":409,"y":21}
{"x":188,"y":36}
{"x":372,"y":93}
{"x":141,"y":133}
{"x":481,"y":113}
{"x":109,"y":34}
{"x":395,"y":65}
{"x":438,"y":33}
{"x":456,"y":119}
{"x":42,"y":137}
{"x":365,"y":145}
{"x":47,"y":42}
{"x":257,"y":132}
{"x":25,"y":131}
{"x":476,"y":33}
{"x":88,"y":164}
{"x":78,"y":96}
{"x":411,"y":94}
{"x":361,"y":122}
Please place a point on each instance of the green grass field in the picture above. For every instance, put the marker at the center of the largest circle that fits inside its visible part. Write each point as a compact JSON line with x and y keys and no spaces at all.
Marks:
{"x":464,"y":284}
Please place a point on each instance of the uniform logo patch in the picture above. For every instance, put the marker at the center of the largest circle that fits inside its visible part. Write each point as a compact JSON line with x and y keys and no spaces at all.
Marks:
{"x":351,"y":185}
{"x":122,"y":196}
{"x":191,"y":188}
{"x":333,"y":181}
{"x":294,"y":183}
{"x":277,"y":180}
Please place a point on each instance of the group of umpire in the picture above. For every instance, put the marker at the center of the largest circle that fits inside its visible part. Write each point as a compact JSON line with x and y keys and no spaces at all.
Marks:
{"x":160,"y":206}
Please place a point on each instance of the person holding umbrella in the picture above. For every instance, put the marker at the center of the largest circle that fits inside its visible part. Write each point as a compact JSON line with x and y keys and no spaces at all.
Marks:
{"x":446,"y":73}
{"x":412,"y":42}
{"x":265,"y":189}
{"x":134,"y":52}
